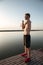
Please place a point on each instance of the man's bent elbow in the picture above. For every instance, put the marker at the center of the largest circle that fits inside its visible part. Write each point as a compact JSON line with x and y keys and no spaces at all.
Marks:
{"x":23,"y":27}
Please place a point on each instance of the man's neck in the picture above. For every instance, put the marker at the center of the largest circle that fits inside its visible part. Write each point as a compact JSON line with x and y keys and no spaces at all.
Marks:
{"x":27,"y":19}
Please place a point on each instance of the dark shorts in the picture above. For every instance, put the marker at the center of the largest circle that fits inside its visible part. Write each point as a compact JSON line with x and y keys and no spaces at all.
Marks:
{"x":27,"y":41}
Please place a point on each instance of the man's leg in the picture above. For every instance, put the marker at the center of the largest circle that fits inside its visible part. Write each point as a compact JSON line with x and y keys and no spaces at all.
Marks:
{"x":28,"y":55}
{"x":28,"y":52}
{"x":25,"y":50}
{"x":28,"y":48}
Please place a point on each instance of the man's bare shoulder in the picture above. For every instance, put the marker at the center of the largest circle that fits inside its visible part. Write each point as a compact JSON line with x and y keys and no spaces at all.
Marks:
{"x":29,"y":22}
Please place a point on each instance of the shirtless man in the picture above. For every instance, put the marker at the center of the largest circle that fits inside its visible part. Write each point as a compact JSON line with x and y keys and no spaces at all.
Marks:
{"x":26,"y":27}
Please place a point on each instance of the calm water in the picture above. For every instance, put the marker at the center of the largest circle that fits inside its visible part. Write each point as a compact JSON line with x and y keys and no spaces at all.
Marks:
{"x":11,"y":43}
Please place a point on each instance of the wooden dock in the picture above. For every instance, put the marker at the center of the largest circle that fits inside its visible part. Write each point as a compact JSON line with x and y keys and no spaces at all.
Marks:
{"x":36,"y":59}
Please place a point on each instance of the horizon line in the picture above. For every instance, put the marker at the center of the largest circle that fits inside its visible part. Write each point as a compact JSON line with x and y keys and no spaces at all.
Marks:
{"x":17,"y":30}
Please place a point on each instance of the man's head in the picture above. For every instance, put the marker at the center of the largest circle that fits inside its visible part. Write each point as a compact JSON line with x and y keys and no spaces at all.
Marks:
{"x":27,"y":16}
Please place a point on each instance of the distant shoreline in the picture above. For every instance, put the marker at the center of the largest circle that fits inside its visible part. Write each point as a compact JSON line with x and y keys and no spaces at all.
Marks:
{"x":16,"y":30}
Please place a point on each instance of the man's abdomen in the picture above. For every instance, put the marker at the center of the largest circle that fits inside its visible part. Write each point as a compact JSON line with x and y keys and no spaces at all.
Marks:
{"x":26,"y":32}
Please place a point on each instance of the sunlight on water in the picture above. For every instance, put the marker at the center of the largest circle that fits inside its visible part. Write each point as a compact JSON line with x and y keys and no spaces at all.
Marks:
{"x":7,"y":37}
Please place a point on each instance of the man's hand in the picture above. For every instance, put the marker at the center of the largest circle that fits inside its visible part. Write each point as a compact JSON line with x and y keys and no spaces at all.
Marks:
{"x":25,"y":23}
{"x":23,"y":26}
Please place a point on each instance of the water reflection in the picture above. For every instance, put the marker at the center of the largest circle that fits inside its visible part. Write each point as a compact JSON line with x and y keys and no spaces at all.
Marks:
{"x":11,"y":43}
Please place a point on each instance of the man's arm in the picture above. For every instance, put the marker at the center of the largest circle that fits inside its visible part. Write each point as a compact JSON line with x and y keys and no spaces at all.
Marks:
{"x":23,"y":26}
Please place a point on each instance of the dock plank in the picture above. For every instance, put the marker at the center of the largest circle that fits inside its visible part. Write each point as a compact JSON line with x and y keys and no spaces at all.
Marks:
{"x":36,"y":59}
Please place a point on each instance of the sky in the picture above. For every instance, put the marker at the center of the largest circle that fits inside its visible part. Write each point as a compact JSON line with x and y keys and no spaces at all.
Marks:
{"x":12,"y":13}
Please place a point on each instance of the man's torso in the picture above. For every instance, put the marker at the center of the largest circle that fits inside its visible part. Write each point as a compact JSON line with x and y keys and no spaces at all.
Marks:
{"x":27,"y":28}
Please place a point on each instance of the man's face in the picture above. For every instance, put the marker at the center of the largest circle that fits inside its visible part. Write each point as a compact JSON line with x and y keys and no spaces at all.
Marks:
{"x":26,"y":17}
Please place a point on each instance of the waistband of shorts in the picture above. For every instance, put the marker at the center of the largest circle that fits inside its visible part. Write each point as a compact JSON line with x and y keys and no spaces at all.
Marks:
{"x":26,"y":35}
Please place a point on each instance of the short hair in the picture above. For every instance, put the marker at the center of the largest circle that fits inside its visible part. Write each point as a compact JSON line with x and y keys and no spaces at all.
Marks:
{"x":28,"y":14}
